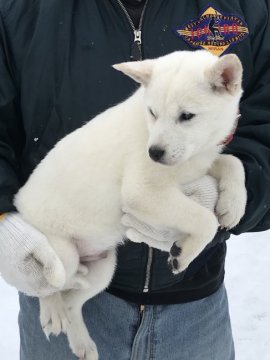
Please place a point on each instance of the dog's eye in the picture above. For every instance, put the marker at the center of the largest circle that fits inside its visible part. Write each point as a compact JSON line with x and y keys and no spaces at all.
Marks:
{"x":186,"y":116}
{"x":152,"y":113}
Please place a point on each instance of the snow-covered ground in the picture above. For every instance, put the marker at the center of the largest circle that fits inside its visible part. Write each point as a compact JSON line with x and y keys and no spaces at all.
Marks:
{"x":247,"y":280}
{"x":248,"y":285}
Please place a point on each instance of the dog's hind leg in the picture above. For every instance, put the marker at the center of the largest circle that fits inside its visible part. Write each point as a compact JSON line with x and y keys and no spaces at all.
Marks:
{"x":99,"y":276}
{"x":53,"y":316}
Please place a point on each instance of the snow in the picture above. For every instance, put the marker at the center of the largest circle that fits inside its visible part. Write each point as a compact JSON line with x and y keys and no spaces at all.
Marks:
{"x":248,"y":285}
{"x":9,"y":334}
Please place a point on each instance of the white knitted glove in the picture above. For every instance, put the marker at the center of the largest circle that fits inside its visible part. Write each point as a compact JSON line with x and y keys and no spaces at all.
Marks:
{"x":204,"y":191}
{"x":27,"y":261}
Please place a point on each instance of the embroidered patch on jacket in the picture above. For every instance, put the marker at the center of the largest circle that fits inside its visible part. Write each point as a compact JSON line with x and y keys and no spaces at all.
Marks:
{"x":214,"y":31}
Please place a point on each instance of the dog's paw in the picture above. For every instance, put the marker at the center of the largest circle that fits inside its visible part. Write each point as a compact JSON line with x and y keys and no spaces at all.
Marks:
{"x":183,"y":252}
{"x":176,"y":261}
{"x":54,"y":323}
{"x":81,"y":343}
{"x":86,"y":352}
{"x":53,"y":317}
{"x":231,"y":206}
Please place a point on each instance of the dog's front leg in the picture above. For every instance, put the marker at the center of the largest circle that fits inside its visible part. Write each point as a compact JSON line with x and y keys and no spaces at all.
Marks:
{"x":157,"y":237}
{"x":165,"y":206}
{"x":230,"y":174}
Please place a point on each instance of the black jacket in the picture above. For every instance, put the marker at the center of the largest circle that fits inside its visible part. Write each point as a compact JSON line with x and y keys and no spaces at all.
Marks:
{"x":56,"y":74}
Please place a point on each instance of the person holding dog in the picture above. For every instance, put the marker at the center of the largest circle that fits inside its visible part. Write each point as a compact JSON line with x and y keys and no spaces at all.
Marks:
{"x":55,"y":62}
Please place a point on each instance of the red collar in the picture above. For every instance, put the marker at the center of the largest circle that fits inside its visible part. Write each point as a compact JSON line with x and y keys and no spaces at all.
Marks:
{"x":229,"y":138}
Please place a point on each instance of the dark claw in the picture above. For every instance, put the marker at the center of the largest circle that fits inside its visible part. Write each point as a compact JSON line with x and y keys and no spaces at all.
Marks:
{"x":175,"y":250}
{"x":175,"y":264}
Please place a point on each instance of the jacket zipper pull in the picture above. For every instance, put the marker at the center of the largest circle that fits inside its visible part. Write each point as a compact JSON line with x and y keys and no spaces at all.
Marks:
{"x":136,"y":51}
{"x":141,"y":311}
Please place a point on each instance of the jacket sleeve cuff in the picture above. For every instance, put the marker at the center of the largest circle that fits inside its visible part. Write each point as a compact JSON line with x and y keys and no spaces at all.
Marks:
{"x":6,"y":202}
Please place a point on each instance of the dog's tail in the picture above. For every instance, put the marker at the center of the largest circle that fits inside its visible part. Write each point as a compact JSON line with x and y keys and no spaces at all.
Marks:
{"x":53,"y":268}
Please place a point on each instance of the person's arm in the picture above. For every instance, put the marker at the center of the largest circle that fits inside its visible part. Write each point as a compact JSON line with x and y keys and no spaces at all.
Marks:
{"x":11,"y":130}
{"x":26,"y":258}
{"x":251,"y":143}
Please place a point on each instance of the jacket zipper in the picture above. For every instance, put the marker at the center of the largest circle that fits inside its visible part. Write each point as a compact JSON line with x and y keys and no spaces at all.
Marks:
{"x":136,"y":49}
{"x":136,"y":54}
{"x":147,"y":280}
{"x":148,"y":270}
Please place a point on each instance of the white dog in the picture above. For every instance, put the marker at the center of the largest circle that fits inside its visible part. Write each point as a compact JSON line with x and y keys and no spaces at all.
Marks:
{"x":185,"y":108}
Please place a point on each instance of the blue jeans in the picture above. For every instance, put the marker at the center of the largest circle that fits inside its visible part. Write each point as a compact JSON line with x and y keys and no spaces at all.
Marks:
{"x":198,"y":330}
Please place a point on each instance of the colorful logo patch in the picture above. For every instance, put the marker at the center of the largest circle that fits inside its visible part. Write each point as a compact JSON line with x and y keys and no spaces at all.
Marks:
{"x":214,"y":31}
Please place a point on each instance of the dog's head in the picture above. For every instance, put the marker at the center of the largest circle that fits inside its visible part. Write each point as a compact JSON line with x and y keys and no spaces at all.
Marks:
{"x":191,"y":101}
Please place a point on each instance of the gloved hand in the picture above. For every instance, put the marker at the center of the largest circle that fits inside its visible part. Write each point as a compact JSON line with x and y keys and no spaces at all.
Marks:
{"x":27,"y":261}
{"x":204,"y":191}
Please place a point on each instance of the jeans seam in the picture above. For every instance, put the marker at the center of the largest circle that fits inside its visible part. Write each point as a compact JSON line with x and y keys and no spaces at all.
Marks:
{"x":152,"y":334}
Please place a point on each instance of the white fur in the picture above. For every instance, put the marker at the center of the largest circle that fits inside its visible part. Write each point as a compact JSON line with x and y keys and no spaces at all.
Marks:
{"x":77,"y":194}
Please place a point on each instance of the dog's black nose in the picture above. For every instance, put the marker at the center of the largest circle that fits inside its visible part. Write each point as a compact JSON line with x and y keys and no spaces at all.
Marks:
{"x":156,"y":153}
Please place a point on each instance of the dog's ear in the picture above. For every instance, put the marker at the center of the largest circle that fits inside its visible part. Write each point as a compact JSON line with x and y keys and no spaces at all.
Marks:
{"x":226,"y":74}
{"x":140,"y":71}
